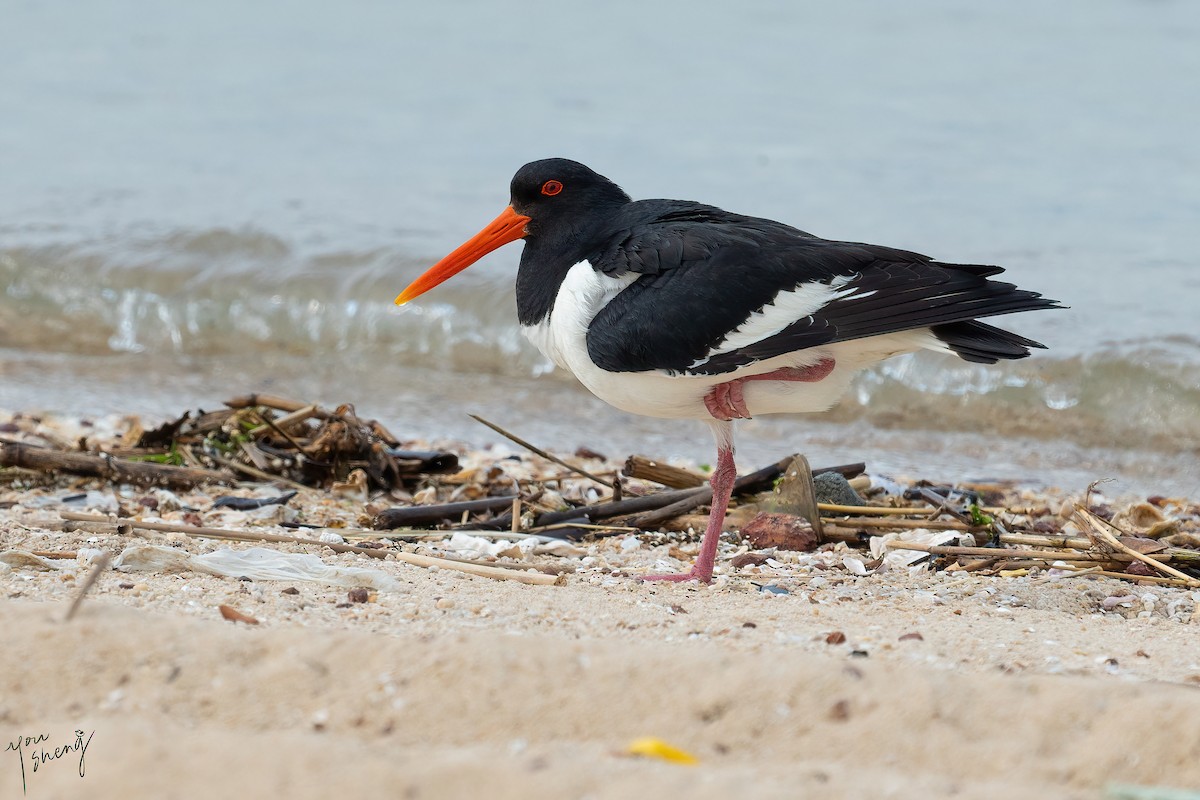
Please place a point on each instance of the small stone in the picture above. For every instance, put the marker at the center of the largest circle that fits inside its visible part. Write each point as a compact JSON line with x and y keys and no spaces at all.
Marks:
{"x":444,"y":603}
{"x":233,"y":615}
{"x":837,"y":637}
{"x":912,"y":637}
{"x":290,"y":590}
{"x":124,"y":585}
{"x":748,"y":560}
{"x":840,"y":711}
{"x":782,"y":531}
{"x":358,"y":595}
{"x":832,"y":487}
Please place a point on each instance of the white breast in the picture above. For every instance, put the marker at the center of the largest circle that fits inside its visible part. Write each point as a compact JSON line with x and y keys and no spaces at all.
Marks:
{"x":562,"y":336}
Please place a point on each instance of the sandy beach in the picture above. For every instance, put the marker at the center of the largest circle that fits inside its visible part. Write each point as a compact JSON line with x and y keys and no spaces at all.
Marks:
{"x":785,"y":678}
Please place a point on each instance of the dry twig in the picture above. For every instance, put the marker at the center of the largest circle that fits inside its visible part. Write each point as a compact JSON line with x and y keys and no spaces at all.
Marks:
{"x":88,"y":583}
{"x":539,"y":451}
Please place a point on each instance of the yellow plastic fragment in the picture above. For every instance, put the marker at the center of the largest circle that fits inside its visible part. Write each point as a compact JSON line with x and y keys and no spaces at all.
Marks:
{"x":650,"y":747}
{"x":1013,"y":573}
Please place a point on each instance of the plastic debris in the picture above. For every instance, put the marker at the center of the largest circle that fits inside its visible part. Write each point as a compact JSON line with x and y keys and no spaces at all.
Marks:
{"x":257,"y":563}
{"x":650,"y":747}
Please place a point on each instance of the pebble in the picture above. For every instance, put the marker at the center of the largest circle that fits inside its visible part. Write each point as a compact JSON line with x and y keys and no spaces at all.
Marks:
{"x":832,"y":487}
{"x":445,"y":602}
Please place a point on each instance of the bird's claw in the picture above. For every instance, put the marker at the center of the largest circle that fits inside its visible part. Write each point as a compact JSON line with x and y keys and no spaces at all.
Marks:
{"x":725,"y":401}
{"x":679,"y":577}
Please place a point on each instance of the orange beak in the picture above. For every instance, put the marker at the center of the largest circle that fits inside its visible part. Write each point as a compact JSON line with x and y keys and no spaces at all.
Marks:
{"x":508,"y":227}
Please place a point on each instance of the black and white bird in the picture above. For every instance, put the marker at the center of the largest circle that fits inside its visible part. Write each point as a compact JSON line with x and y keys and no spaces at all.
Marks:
{"x":676,"y":309}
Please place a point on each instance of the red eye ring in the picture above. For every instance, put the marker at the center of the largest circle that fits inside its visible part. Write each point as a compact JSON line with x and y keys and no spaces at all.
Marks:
{"x":551,"y":188}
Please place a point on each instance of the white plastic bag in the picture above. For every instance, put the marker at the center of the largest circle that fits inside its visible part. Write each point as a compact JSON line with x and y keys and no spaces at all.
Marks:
{"x":257,"y":563}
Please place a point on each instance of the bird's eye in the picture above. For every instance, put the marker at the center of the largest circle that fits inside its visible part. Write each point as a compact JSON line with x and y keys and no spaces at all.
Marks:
{"x":551,"y":188}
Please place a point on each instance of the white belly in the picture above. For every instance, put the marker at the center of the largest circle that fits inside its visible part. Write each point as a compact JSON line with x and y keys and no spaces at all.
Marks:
{"x":562,"y":338}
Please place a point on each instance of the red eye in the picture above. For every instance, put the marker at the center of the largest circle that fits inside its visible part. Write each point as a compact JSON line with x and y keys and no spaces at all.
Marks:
{"x":551,"y":188}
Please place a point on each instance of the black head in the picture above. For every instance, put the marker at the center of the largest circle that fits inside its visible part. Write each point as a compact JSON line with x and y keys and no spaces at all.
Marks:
{"x":557,"y":205}
{"x":555,"y":191}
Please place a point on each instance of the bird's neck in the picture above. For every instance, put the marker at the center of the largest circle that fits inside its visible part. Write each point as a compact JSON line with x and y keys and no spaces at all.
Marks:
{"x":545,"y":262}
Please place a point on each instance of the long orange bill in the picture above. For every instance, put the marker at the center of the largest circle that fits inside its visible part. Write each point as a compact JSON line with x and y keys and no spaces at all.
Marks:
{"x":508,"y":227}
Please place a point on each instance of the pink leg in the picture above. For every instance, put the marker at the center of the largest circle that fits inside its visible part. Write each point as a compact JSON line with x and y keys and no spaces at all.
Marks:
{"x":726,"y":401}
{"x":722,"y":481}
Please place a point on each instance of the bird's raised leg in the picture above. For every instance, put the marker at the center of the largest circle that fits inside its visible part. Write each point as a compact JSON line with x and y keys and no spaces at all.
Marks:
{"x":722,"y":481}
{"x":726,"y":400}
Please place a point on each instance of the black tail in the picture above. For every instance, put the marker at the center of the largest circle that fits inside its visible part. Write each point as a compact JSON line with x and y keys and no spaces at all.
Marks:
{"x":984,"y":344}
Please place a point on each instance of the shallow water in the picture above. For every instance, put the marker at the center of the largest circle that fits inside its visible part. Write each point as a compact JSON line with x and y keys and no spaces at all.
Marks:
{"x":199,"y":201}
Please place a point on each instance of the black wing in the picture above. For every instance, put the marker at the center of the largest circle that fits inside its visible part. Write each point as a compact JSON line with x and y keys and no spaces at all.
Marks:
{"x":704,"y":272}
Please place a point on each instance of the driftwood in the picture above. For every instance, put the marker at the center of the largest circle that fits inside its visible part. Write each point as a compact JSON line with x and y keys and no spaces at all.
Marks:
{"x":679,"y":501}
{"x":647,"y":469}
{"x":105,"y":466}
{"x":409,"y":516}
{"x":754,"y":482}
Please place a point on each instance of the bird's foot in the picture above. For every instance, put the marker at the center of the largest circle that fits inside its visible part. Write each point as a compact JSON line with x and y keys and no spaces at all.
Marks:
{"x":693,"y":574}
{"x":725,"y":401}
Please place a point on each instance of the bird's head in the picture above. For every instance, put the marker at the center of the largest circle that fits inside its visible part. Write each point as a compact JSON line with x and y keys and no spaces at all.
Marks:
{"x":554,"y":197}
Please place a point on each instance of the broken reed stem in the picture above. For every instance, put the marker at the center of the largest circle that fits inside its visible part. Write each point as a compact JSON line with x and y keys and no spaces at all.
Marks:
{"x":219,"y":533}
{"x":276,"y":402}
{"x":973,"y":566}
{"x":483,"y":571}
{"x":1098,"y":525}
{"x":1036,"y":540}
{"x":268,"y":422}
{"x":931,"y":524}
{"x":287,"y":419}
{"x":539,"y":451}
{"x":588,"y":527}
{"x":991,"y":552}
{"x":88,"y":583}
{"x":889,"y":511}
{"x":254,"y":472}
{"x":408,"y":558}
{"x":423,"y":534}
{"x":1140,"y":578}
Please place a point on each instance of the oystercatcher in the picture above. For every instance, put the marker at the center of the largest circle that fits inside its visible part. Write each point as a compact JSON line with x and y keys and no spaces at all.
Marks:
{"x":672,"y":308}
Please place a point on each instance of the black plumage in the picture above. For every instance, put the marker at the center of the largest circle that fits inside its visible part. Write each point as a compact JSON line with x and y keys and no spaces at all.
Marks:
{"x":702,"y":272}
